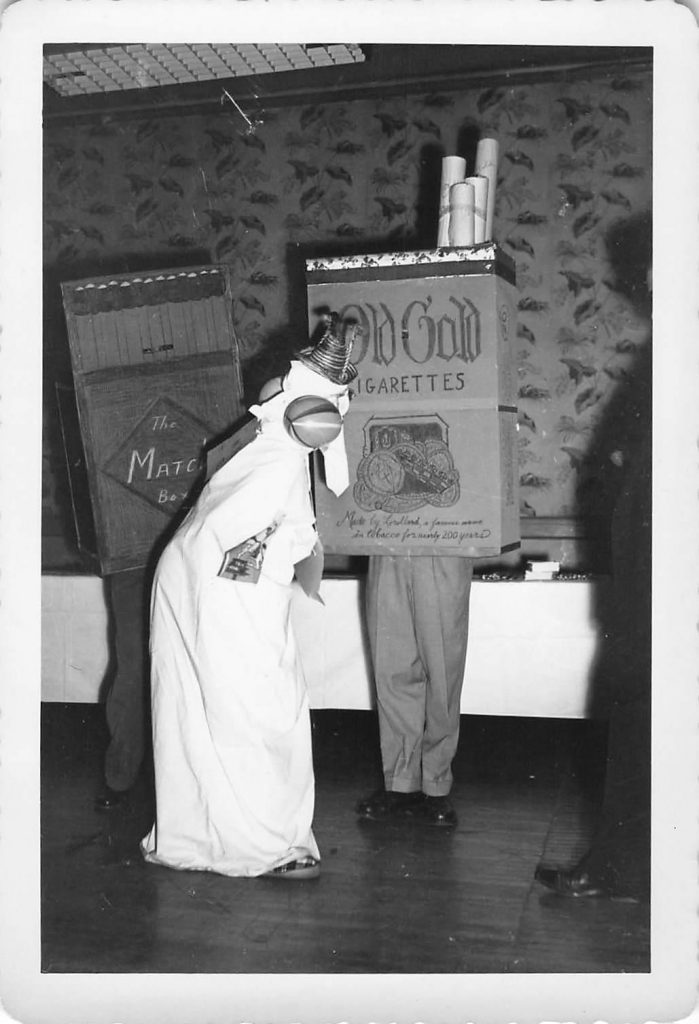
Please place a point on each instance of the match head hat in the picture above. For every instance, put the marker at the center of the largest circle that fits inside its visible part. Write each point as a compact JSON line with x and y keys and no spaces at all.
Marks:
{"x":331,"y":356}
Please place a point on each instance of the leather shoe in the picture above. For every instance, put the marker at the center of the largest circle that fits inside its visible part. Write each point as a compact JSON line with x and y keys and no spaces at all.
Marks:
{"x":296,"y":870}
{"x":109,"y":799}
{"x":573,"y":882}
{"x":438,"y":811}
{"x":386,"y":806}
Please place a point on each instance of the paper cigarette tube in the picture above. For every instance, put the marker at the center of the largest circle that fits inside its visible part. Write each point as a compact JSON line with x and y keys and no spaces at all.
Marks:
{"x":461,"y":203}
{"x":487,"y":165}
{"x":453,"y":170}
{"x":481,"y":188}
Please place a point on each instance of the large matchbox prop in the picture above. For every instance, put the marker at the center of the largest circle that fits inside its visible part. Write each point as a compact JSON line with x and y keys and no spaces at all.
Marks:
{"x":157,"y":378}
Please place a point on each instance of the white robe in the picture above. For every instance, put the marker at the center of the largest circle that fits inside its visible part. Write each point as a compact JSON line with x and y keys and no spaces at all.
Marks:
{"x":231,"y":726}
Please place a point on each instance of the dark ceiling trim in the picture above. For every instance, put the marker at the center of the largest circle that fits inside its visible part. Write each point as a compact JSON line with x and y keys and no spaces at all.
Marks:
{"x":329,"y":85}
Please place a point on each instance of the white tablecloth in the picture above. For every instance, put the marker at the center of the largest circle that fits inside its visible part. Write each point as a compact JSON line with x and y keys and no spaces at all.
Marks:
{"x":531,"y":645}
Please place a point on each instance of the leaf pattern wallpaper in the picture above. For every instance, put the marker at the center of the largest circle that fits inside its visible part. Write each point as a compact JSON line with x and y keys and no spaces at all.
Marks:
{"x":363,"y":175}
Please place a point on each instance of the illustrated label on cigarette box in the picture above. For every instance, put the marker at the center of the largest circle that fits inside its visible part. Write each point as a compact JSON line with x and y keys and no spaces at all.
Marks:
{"x":431,"y":431}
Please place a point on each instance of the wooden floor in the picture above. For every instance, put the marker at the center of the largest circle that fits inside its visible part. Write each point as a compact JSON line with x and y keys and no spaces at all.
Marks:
{"x":391,"y":899}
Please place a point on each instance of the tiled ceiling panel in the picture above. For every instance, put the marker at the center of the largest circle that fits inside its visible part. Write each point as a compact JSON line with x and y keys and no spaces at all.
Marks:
{"x":87,"y":71}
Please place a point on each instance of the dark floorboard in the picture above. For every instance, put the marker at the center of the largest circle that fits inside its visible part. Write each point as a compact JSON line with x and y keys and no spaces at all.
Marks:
{"x":391,"y":899}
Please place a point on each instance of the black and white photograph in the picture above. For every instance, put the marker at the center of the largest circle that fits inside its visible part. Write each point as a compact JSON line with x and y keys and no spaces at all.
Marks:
{"x":348,"y":531}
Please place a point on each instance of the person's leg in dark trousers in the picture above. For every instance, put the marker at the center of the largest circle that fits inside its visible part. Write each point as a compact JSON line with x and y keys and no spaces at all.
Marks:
{"x":126,"y":702}
{"x":619,"y":858}
{"x":620,"y":854}
{"x":618,"y":861}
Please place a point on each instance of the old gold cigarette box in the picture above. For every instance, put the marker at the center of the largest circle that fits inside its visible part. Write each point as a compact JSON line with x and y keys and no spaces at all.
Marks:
{"x":431,"y":433}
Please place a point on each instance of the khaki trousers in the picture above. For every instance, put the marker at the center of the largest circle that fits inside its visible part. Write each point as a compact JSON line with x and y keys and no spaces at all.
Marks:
{"x":417,"y":616}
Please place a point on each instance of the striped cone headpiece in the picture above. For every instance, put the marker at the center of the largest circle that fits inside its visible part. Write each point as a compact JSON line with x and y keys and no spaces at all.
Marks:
{"x":331,"y":356}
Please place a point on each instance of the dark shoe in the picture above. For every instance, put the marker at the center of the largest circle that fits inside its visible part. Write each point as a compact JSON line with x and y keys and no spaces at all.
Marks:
{"x":438,"y":810}
{"x":109,"y":799}
{"x":296,"y":870}
{"x":384,"y":806}
{"x":572,"y":882}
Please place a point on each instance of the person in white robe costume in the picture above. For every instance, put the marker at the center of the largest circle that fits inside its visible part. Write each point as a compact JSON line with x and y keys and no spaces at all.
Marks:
{"x":231,"y":725}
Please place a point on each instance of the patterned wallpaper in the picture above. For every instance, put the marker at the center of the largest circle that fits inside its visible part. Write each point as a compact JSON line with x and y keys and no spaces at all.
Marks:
{"x":361,"y":176}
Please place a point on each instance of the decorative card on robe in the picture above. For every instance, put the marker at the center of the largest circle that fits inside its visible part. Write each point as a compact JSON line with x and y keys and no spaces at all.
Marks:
{"x":243,"y":563}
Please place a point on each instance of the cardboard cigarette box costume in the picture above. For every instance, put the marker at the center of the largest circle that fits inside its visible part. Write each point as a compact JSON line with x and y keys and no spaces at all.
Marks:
{"x":431,"y":438}
{"x":155,"y":365}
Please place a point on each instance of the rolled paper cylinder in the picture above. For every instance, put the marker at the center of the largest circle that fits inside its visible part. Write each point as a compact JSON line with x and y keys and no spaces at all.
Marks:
{"x":461,"y":203}
{"x":481,"y":187}
{"x":487,"y":165}
{"x":453,"y":170}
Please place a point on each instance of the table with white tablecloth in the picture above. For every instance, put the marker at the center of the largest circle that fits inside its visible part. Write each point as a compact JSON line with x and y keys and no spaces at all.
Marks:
{"x":532,"y":645}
